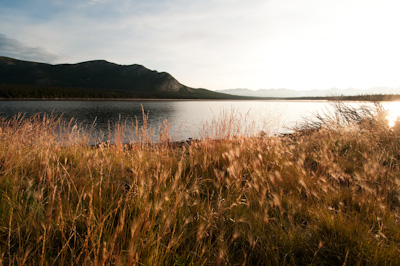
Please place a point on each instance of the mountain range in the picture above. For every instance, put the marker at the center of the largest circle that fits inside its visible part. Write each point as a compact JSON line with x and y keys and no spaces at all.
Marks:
{"x":103,"y":79}
{"x":92,"y":79}
{"x":286,"y":93}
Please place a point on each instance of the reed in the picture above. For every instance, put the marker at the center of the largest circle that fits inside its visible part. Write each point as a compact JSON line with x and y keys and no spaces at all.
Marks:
{"x":326,"y":196}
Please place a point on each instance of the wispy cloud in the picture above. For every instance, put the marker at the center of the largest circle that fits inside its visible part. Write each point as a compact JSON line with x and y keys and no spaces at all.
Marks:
{"x":217,"y":44}
{"x":13,"y":48}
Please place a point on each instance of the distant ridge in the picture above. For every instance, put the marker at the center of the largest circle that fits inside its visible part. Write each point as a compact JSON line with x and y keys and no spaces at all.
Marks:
{"x":92,"y":79}
{"x":286,"y":93}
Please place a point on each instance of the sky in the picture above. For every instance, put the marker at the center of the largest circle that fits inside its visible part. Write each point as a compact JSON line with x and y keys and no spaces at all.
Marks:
{"x":217,"y":44}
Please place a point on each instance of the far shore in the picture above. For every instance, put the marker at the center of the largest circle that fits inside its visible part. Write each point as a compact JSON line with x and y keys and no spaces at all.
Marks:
{"x":306,"y":99}
{"x":155,"y":99}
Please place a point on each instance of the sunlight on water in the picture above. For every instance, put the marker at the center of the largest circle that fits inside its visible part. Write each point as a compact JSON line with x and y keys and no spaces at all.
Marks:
{"x":187,"y":119}
{"x":393,"y":110}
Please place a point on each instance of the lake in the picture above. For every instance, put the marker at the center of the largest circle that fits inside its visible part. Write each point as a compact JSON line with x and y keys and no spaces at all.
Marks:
{"x":186,"y":119}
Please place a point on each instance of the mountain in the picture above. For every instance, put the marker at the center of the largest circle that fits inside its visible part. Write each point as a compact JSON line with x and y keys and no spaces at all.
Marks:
{"x":286,"y":93}
{"x":92,"y":79}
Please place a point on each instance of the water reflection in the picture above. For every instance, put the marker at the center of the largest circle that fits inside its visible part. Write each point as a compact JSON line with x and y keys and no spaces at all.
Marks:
{"x":393,"y":112}
{"x":186,"y":119}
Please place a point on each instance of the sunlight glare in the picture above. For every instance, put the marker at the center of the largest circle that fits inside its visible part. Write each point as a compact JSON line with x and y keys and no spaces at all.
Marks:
{"x":393,"y":113}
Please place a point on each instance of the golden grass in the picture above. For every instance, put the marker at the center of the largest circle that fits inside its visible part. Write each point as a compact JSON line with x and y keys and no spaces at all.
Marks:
{"x":328,"y":197}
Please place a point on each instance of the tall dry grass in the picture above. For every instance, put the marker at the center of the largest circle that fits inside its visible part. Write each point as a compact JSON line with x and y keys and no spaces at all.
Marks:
{"x":327,"y":196}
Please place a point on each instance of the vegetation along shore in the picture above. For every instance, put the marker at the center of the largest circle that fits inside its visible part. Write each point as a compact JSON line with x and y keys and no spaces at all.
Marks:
{"x":326,"y":195}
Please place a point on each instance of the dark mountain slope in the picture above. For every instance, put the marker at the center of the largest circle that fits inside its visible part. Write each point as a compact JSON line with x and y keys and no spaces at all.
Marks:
{"x":91,"y":79}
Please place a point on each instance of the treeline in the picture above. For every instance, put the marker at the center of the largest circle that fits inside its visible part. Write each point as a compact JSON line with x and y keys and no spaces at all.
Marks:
{"x":12,"y":91}
{"x":16,"y":91}
{"x":366,"y":97}
{"x":373,"y":97}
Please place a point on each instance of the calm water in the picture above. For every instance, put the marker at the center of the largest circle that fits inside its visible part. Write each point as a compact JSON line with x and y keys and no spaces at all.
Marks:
{"x":187,"y":119}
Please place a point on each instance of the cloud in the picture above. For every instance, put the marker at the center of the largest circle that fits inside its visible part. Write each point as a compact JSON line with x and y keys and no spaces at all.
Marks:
{"x":14,"y":48}
{"x":216,"y":43}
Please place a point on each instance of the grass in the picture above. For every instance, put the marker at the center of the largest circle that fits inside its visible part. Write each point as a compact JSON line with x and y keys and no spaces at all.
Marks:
{"x":327,"y":195}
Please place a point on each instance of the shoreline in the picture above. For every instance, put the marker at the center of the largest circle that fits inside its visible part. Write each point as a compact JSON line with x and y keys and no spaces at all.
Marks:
{"x":194,"y":100}
{"x":150,"y":99}
{"x":186,"y":100}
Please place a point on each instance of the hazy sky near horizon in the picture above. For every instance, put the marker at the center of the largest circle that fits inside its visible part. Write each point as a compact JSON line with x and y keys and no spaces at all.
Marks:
{"x":216,"y":44}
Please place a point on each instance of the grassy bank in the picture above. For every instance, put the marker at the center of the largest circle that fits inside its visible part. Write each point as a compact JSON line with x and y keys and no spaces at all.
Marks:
{"x":329,"y":195}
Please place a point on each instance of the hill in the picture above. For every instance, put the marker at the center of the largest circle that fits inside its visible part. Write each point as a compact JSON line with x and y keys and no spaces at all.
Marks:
{"x":92,"y":79}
